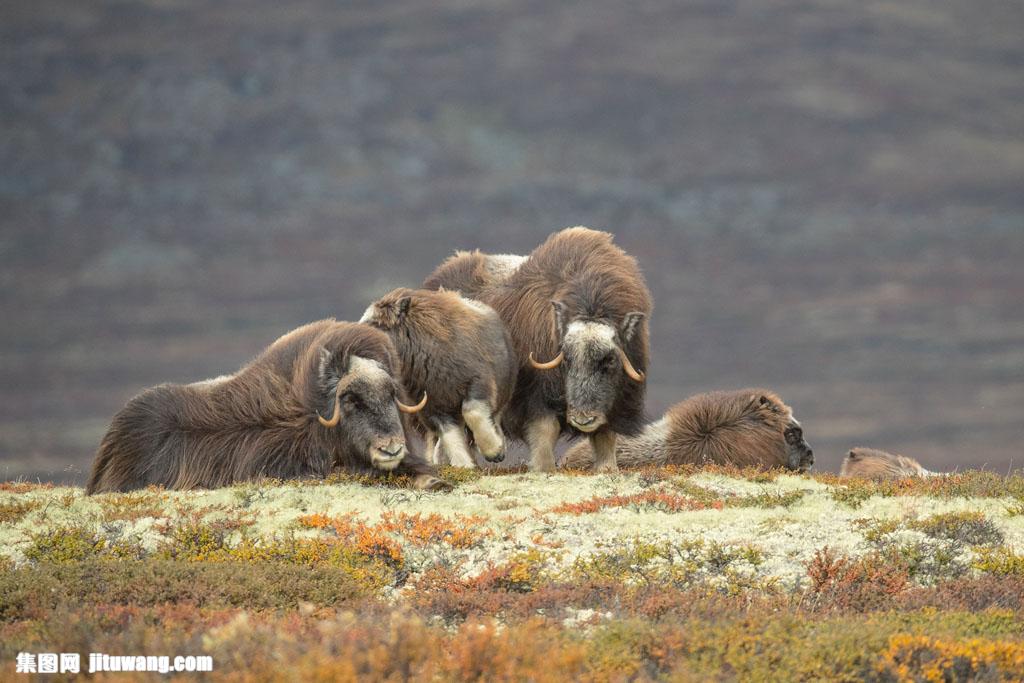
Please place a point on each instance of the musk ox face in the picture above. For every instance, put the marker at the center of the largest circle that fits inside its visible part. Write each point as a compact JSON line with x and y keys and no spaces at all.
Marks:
{"x":801,"y":457}
{"x":361,"y":398}
{"x":594,"y":365}
{"x":871,"y":463}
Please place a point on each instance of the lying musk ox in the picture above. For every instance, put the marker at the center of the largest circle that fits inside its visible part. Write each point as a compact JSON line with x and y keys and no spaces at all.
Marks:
{"x":868,"y":463}
{"x":457,"y":352}
{"x":747,"y":428}
{"x":268,"y":419}
{"x":581,"y":304}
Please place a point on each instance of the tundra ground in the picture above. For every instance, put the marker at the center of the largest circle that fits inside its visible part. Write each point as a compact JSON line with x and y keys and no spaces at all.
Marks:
{"x":667,"y":573}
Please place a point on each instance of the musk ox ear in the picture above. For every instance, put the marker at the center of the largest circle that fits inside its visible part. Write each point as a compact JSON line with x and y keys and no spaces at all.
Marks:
{"x":333,"y":364}
{"x":630,"y":324}
{"x":402,"y":307}
{"x":561,"y":317}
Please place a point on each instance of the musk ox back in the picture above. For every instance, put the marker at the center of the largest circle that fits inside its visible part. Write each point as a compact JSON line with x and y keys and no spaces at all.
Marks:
{"x":745,"y":428}
{"x":457,"y":352}
{"x":472,"y":272}
{"x":577,"y":311}
{"x":869,"y":463}
{"x":322,"y":396}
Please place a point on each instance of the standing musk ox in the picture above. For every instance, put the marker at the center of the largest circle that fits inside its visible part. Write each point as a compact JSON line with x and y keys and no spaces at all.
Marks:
{"x":457,"y":352}
{"x":472,"y":272}
{"x":746,"y":428}
{"x":576,"y":309}
{"x":869,"y":463}
{"x":321,"y":396}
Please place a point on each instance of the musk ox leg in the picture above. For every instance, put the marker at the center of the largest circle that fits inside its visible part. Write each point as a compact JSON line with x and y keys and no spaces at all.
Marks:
{"x":541,"y":436}
{"x":453,"y":444}
{"x":480,"y":418}
{"x":431,"y":454}
{"x":603,"y":444}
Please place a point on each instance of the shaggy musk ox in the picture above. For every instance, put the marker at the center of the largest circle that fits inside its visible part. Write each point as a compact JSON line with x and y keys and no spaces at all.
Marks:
{"x":576,"y":309}
{"x":472,"y":272}
{"x":321,"y":396}
{"x":746,"y":428}
{"x":457,"y":352}
{"x":869,"y":463}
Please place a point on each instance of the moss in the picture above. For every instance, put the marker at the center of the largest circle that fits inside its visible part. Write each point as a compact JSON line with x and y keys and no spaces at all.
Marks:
{"x":388,"y":479}
{"x":922,"y":657}
{"x":130,"y":506}
{"x":1000,"y":561}
{"x":967,"y":528}
{"x":12,"y":512}
{"x":460,"y":475}
{"x":765,"y":499}
{"x":966,"y":484}
{"x":853,"y":494}
{"x":72,"y":544}
{"x":30,"y":591}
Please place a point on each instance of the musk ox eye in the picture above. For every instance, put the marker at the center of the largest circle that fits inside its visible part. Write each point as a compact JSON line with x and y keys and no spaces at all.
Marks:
{"x":794,"y":435}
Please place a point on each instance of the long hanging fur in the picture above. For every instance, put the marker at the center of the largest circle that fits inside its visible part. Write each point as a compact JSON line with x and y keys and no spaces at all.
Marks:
{"x":259,"y":422}
{"x":449,"y":348}
{"x":744,"y":428}
{"x":870,"y":463}
{"x":595,"y":279}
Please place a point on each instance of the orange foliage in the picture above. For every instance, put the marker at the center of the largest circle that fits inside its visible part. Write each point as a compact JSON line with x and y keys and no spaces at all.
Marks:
{"x":466,"y":532}
{"x":660,"y":500}
{"x":863,"y":584}
{"x":371,"y":541}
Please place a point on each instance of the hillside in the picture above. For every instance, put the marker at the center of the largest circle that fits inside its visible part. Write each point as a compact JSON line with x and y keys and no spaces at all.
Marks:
{"x":824,"y":194}
{"x":655,"y":574}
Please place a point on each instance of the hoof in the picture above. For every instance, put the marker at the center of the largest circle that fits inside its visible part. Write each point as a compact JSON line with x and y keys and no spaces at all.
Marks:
{"x":427,"y":482}
{"x":606,"y":468}
{"x":497,"y":457}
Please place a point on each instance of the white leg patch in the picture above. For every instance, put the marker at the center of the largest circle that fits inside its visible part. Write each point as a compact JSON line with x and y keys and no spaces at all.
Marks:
{"x":453,"y":443}
{"x":541,"y":436}
{"x":479,"y":417}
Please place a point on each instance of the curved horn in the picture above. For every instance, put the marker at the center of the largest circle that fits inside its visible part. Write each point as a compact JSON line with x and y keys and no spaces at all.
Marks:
{"x":335,"y":418}
{"x":551,"y":364}
{"x":633,"y":373}
{"x":411,"y":410}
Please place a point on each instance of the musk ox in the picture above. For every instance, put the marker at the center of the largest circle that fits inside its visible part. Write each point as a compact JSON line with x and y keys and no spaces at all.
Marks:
{"x":457,"y":352}
{"x":580,"y":304}
{"x":321,"y":396}
{"x":869,"y":463}
{"x":746,"y":428}
{"x":472,"y":272}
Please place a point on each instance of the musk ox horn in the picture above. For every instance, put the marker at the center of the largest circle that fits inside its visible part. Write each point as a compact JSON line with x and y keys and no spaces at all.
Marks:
{"x":551,"y":364}
{"x":335,"y":418}
{"x":633,"y":373}
{"x":411,"y":410}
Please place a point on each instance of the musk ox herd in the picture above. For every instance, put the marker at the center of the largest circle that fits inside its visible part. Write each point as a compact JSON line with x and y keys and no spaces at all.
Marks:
{"x":492,"y":349}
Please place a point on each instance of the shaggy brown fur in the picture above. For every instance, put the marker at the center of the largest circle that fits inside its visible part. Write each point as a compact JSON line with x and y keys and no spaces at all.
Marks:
{"x":869,"y":463}
{"x":472,"y":272}
{"x":596,"y":281}
{"x":746,"y":428}
{"x":259,"y":422}
{"x":457,"y":352}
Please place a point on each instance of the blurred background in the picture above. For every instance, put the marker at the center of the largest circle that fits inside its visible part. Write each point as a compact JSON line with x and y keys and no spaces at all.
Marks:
{"x":827,"y":196}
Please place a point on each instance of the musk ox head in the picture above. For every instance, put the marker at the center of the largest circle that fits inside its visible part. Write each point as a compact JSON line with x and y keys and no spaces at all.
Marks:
{"x":801,"y":457}
{"x":594,"y":364}
{"x":870,"y":463}
{"x":361,"y":403}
